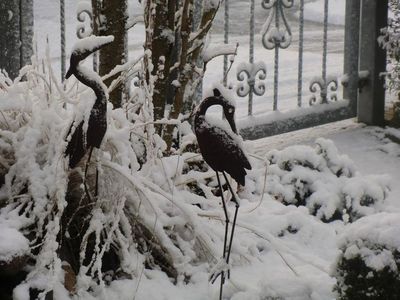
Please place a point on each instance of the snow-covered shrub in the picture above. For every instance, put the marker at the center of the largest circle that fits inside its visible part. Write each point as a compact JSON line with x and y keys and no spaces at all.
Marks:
{"x":369,"y":262}
{"x":128,"y":210}
{"x":324,"y":181}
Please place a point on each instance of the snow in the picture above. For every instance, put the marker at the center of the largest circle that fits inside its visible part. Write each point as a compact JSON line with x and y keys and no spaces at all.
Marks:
{"x":13,"y":244}
{"x":217,"y":50}
{"x":89,"y":44}
{"x":313,"y":11}
{"x":275,"y":245}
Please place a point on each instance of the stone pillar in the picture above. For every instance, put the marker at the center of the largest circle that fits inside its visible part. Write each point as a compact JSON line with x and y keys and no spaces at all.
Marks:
{"x":351,"y":51}
{"x":371,"y":104}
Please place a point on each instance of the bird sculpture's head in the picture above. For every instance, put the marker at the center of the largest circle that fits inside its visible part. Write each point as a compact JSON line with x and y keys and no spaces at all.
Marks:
{"x":83,"y":48}
{"x":229,"y":109}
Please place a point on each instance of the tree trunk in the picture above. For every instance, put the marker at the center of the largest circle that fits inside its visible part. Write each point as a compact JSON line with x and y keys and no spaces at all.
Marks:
{"x":114,"y":19}
{"x":160,"y":39}
{"x":175,"y":32}
{"x":16,"y":24}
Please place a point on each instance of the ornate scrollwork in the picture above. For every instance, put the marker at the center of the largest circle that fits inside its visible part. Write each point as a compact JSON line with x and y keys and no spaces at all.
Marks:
{"x":327,"y":90}
{"x":274,"y":35}
{"x":136,"y":78}
{"x":84,"y":12}
{"x":250,"y":77}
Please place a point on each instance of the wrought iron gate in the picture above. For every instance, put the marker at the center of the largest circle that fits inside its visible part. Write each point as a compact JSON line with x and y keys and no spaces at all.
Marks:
{"x":324,"y":102}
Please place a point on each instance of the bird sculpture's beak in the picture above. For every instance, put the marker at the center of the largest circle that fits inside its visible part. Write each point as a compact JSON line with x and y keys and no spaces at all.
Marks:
{"x":232,"y":123}
{"x":216,"y":92}
{"x":69,"y":73}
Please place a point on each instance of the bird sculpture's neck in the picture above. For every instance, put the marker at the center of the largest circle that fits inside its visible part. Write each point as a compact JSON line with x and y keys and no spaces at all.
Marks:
{"x":95,"y":85}
{"x":205,"y":104}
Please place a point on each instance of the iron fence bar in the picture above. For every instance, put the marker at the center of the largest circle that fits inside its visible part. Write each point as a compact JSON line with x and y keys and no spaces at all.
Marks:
{"x":226,"y":39}
{"x":26,"y":32}
{"x":62,"y":25}
{"x":276,"y":64}
{"x":95,"y":28}
{"x":251,"y":75}
{"x":324,"y":84}
{"x":251,"y":53}
{"x":324,"y":54}
{"x":300,"y":62}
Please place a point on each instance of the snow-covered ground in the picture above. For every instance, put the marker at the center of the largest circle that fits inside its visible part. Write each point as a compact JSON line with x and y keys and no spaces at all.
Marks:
{"x":276,"y":262}
{"x":294,"y":266}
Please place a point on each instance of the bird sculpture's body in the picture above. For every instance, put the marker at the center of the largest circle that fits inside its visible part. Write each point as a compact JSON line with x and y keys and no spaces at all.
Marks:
{"x":222,"y":152}
{"x":219,"y":148}
{"x":79,"y":142}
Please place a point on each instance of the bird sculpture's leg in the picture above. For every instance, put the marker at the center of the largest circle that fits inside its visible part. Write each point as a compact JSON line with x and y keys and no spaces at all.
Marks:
{"x":226,"y":230}
{"x":234,"y":220}
{"x":226,"y":215}
{"x":215,"y":275}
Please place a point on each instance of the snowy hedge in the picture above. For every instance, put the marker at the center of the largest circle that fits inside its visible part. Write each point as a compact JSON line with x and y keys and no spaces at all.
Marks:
{"x":368,"y":266}
{"x":325,"y":182}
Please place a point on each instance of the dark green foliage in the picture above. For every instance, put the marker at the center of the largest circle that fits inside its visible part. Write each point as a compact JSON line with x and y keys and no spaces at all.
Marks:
{"x":357,"y":281}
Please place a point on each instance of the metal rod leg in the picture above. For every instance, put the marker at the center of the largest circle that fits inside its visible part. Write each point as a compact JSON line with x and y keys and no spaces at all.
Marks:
{"x":226,"y":214}
{"x":234,"y":220}
{"x":221,"y":286}
{"x":226,"y":230}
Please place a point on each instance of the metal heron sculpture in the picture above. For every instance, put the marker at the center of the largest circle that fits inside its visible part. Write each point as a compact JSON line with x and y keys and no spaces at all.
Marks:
{"x":79,"y":140}
{"x":222,"y":152}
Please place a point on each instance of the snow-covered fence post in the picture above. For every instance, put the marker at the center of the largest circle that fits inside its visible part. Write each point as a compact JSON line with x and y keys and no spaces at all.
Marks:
{"x":16,"y":25}
{"x":351,"y":52}
{"x":371,"y":102}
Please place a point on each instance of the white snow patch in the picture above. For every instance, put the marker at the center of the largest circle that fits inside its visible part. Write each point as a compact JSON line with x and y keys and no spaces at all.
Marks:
{"x":92,"y":42}
{"x":12,"y":244}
